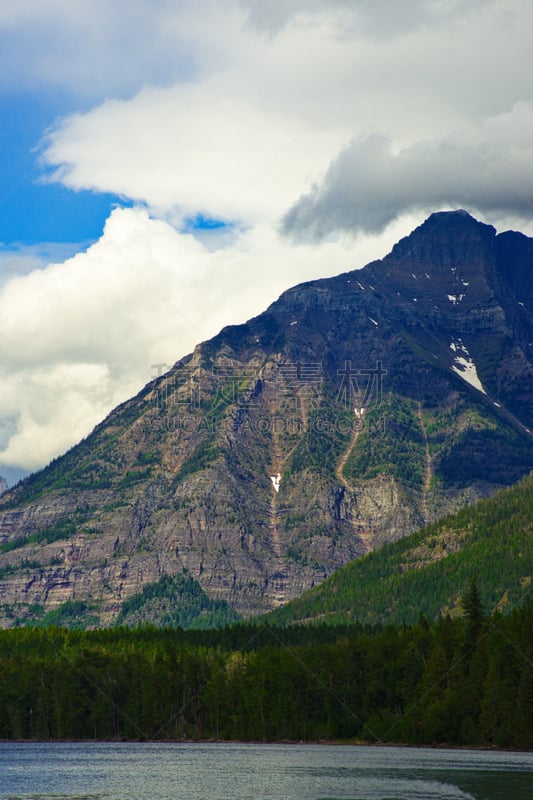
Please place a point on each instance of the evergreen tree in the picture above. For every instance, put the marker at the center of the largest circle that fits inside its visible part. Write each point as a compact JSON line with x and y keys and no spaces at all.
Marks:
{"x":474,"y":613}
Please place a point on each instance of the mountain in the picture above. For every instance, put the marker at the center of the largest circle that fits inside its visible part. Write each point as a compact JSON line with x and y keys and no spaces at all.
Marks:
{"x":3,"y":485}
{"x":350,"y":413}
{"x":427,"y":571}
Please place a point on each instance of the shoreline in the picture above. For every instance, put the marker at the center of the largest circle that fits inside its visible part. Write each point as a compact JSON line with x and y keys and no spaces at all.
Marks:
{"x":282,"y":742}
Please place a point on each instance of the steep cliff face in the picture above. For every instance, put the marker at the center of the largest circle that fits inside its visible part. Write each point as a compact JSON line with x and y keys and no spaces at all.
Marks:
{"x":348,"y":414}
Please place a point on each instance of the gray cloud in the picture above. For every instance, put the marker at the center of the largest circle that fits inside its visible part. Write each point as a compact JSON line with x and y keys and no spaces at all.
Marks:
{"x":379,"y":18}
{"x":93,"y":50}
{"x":371,"y":182}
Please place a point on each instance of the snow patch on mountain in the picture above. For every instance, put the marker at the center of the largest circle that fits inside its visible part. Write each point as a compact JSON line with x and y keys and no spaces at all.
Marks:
{"x":465,"y":366}
{"x":276,"y":481}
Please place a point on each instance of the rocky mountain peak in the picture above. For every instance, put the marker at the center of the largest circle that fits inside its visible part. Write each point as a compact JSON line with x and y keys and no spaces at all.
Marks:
{"x":448,"y":260}
{"x":441,"y":238}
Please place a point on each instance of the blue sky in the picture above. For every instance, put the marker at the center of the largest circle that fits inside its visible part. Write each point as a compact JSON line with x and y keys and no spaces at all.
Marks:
{"x":34,"y":210}
{"x":169,"y":167}
{"x":41,"y":213}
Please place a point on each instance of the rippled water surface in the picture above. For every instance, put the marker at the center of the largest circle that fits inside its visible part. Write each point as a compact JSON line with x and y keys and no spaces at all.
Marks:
{"x":108,"y":771}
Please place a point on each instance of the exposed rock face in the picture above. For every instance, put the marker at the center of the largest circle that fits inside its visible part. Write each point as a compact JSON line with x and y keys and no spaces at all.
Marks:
{"x":3,"y":485}
{"x":348,"y":414}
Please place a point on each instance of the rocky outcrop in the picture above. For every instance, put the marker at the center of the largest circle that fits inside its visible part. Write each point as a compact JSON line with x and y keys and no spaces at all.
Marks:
{"x":354,"y":410}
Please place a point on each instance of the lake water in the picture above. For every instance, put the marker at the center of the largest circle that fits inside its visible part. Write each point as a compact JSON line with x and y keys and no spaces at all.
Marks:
{"x":100,"y":771}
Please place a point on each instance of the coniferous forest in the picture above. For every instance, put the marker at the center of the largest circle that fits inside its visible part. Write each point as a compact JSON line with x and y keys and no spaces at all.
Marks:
{"x":463,"y":681}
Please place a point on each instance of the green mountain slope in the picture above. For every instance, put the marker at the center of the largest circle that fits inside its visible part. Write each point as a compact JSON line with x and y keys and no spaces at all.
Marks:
{"x":176,"y":601}
{"x":426,"y":572}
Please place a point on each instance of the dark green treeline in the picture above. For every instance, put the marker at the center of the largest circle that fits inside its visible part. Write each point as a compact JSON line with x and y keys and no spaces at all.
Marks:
{"x":463,"y":681}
